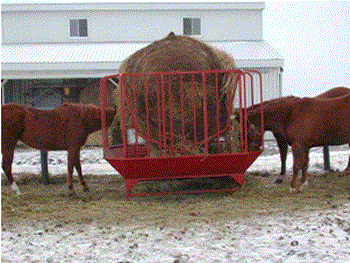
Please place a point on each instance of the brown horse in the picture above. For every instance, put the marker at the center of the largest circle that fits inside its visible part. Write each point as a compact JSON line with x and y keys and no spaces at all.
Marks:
{"x":64,"y":128}
{"x":281,"y":141}
{"x":305,"y":123}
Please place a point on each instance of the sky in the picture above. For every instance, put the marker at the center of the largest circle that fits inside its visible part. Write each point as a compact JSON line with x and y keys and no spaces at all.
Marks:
{"x":312,"y":37}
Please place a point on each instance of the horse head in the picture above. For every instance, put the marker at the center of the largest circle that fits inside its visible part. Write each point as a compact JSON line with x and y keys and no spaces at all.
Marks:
{"x":91,"y":117}
{"x":254,"y":135}
{"x":110,"y":114}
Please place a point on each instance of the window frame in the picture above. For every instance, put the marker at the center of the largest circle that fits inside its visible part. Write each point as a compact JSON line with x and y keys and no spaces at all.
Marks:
{"x":192,"y":33}
{"x":78,"y":20}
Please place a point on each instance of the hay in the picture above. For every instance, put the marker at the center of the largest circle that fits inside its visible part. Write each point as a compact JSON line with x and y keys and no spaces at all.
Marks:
{"x":176,"y":53}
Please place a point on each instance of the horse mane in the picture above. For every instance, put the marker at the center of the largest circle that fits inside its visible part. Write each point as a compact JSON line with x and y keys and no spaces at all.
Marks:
{"x":276,"y":109}
{"x":82,"y":110}
{"x":77,"y":105}
{"x":332,"y":93}
{"x":273,"y":102}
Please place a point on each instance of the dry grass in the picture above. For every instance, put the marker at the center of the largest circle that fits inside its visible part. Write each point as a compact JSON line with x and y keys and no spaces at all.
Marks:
{"x":106,"y":203}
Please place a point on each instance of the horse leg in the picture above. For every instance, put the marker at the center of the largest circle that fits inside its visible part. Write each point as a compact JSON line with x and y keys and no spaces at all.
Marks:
{"x":7,"y":159}
{"x":71,"y":163}
{"x":304,"y":183}
{"x":283,"y":148}
{"x":78,"y":167}
{"x":348,"y":167}
{"x":304,"y":173}
{"x":300,"y":162}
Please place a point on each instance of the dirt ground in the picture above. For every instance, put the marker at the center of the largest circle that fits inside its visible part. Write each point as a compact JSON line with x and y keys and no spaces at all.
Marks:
{"x":106,"y":204}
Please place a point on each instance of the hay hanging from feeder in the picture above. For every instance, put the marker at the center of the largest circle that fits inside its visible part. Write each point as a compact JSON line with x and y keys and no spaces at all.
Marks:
{"x":183,"y":96}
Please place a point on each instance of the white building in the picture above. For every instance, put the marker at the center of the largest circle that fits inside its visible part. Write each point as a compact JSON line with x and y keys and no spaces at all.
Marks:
{"x":52,"y":52}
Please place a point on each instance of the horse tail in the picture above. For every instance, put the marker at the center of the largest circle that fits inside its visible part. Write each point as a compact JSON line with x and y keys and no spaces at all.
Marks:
{"x":12,"y":123}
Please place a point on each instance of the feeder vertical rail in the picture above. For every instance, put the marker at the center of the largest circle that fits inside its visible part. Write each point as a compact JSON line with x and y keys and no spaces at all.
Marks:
{"x":147,"y":112}
{"x":124,"y":131}
{"x":171,"y":116}
{"x":103,"y":96}
{"x":262,"y":121}
{"x":205,"y":111}
{"x":194,"y":111}
{"x":163,"y":112}
{"x":245,"y":120}
{"x":182,"y":113}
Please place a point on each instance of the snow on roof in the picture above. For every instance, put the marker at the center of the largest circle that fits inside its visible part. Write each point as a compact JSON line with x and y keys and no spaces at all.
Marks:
{"x":68,"y":53}
{"x":100,"y":59}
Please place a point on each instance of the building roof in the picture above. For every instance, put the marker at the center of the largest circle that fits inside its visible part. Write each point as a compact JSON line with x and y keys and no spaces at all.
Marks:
{"x":90,"y":60}
{"x":54,"y":6}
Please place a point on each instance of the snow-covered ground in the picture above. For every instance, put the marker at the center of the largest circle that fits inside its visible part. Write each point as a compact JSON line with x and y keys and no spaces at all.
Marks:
{"x":302,"y":236}
{"x":298,"y":237}
{"x":28,"y":161}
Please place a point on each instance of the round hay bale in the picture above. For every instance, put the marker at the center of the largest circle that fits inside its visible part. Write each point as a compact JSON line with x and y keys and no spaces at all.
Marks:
{"x":176,"y":54}
{"x":173,"y":53}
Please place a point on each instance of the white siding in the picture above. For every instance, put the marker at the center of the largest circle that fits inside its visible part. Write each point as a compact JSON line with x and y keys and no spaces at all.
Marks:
{"x":128,"y":25}
{"x":270,"y":84}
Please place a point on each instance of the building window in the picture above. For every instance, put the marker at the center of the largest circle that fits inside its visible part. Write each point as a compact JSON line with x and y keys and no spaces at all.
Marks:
{"x":78,"y":27}
{"x":192,"y":26}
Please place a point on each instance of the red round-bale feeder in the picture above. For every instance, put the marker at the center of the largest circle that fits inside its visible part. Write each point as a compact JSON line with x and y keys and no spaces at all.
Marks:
{"x":179,"y":125}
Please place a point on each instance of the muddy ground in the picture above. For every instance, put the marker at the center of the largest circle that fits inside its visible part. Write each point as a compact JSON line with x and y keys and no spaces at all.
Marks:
{"x":106,"y":204}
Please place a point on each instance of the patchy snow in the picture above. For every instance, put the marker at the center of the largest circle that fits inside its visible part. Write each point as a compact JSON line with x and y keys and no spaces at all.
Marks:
{"x":302,"y":236}
{"x":298,"y":237}
{"x":28,"y":161}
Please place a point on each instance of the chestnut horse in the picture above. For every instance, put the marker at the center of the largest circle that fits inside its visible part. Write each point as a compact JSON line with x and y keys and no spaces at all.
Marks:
{"x":64,"y":128}
{"x":281,"y":141}
{"x":307,"y":122}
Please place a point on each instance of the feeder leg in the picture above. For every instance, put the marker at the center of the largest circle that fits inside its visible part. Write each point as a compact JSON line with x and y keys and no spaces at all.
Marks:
{"x":129,"y":185}
{"x":44,"y":168}
{"x":239,"y":178}
{"x":326,"y":159}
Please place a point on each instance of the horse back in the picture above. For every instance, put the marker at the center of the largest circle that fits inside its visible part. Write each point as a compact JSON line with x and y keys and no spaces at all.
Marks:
{"x":315,"y":121}
{"x":56,"y":129}
{"x":273,"y":103}
{"x":334,"y":92}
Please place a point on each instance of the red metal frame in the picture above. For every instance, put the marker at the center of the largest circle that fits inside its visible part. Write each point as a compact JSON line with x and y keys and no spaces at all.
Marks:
{"x":133,"y":161}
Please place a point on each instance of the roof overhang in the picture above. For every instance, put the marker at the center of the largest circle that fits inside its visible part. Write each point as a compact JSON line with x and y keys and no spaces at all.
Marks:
{"x":35,"y":61}
{"x":60,"y":71}
{"x":54,"y":6}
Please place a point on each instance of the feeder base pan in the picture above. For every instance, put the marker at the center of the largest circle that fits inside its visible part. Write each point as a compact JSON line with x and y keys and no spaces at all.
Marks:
{"x":135,"y":170}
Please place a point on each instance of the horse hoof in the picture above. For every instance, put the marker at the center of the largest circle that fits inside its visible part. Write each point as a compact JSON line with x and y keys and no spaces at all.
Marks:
{"x":15,"y":188}
{"x":278,"y":181}
{"x":72,"y":194}
{"x":292,"y":190}
{"x":303,"y":186}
